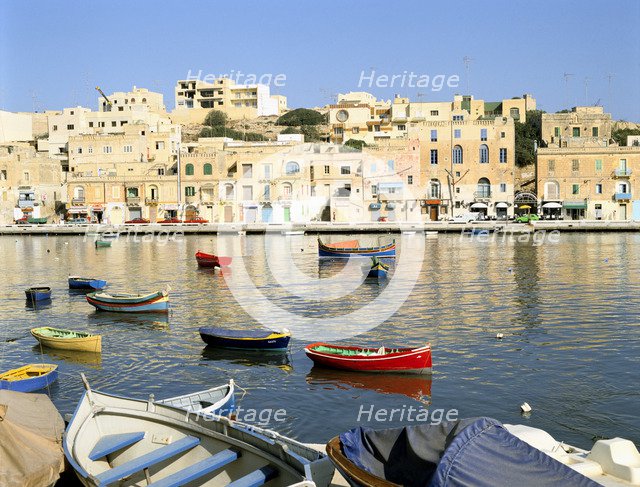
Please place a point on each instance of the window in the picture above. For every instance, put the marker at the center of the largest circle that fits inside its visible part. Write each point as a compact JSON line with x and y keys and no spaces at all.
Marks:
{"x":55,"y":127}
{"x":106,"y":149}
{"x":127,"y":148}
{"x":266,"y":194}
{"x":434,"y":136}
{"x":457,"y":133}
{"x":556,"y":131}
{"x":402,"y":127}
{"x":161,"y":171}
{"x":594,"y":131}
{"x":70,"y":126}
{"x":376,"y":128}
{"x":551,"y":190}
{"x":458,"y":118}
{"x":114,"y":124}
{"x":121,"y":109}
{"x":575,"y":165}
{"x":287,"y":190}
{"x":514,"y":113}
{"x":355,"y":130}
{"x":132,"y":192}
{"x":115,"y":192}
{"x":3,"y":175}
{"x":484,"y":188}
{"x":247,"y":193}
{"x":374,"y":167}
{"x":101,"y":124}
{"x":598,"y":165}
{"x":434,"y":156}
{"x":26,"y":176}
{"x":434,"y":189}
{"x":90,"y":150}
{"x":503,"y":155}
{"x":409,"y":179}
{"x":338,"y":131}
{"x":267,"y":171}
{"x":79,"y":150}
{"x":327,"y":169}
{"x":190,"y":191}
{"x":575,"y":189}
{"x":374,"y":190}
{"x":484,"y":154}
{"x":434,"y":113}
{"x":292,"y":168}
{"x":160,"y":145}
{"x":551,"y":165}
{"x":207,"y":169}
{"x":391,"y":165}
{"x":503,"y":135}
{"x":598,"y":188}
{"x":483,"y":134}
{"x":90,"y":124}
{"x":345,"y":170}
{"x":576,"y":131}
{"x":503,"y":187}
{"x":247,"y":171}
{"x":457,"y":154}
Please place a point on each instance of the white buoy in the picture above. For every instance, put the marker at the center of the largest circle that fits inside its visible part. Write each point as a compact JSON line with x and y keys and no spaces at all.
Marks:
{"x":499,"y":336}
{"x":525,"y":407}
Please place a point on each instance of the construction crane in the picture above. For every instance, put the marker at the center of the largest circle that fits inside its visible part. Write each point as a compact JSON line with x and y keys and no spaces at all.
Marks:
{"x":109,"y":104}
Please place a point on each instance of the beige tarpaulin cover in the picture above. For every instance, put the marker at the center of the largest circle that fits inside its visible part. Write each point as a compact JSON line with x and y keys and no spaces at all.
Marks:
{"x":30,"y":440}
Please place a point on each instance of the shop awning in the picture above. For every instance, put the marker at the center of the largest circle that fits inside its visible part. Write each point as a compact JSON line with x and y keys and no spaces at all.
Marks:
{"x":170,"y":207}
{"x":75,"y":211}
{"x":479,"y":206}
{"x":502,"y":204}
{"x":575,"y":205}
{"x":375,"y":206}
{"x":391,"y":206}
{"x":552,"y":205}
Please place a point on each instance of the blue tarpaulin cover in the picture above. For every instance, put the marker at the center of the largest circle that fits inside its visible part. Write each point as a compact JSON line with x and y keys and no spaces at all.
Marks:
{"x":471,"y":452}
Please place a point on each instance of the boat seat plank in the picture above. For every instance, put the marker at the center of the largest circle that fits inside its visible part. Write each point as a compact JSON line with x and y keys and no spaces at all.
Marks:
{"x":112,"y":443}
{"x":198,"y":470}
{"x":256,"y":478}
{"x":137,"y":464}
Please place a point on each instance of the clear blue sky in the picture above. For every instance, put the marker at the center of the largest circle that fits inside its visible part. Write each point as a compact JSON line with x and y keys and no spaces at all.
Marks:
{"x":53,"y":53}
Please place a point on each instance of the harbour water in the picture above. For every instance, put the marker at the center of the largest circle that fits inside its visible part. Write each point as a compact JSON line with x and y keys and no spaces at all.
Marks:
{"x":569,"y":311}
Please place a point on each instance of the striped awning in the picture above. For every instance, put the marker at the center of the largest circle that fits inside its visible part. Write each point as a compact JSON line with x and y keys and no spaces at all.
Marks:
{"x":575,"y":205}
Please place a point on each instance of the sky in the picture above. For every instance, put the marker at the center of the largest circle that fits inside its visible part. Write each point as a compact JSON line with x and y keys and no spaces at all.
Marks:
{"x":54,"y":53}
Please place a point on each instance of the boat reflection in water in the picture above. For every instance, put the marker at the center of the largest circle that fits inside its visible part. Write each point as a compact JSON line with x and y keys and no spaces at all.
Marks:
{"x":416,"y":387}
{"x":90,"y":359}
{"x":149,"y":321}
{"x":36,"y":305}
{"x":248,"y":357}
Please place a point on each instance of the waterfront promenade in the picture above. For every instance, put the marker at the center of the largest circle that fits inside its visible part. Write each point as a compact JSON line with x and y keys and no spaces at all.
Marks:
{"x":326,"y":227}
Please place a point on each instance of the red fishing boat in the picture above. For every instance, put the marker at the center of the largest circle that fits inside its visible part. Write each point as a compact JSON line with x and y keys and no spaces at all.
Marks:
{"x":211,"y":260}
{"x":404,"y":360}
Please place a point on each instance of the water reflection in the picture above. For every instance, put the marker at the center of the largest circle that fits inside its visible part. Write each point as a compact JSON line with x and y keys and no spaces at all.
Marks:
{"x":248,"y":357}
{"x":40,"y":304}
{"x":150,"y":321}
{"x":90,"y":359}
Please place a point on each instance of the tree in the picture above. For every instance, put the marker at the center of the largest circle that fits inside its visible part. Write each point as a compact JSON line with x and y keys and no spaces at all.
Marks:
{"x":234,"y":134}
{"x":291,"y":130}
{"x":526,"y":135}
{"x":355,"y":144}
{"x":215,"y":118}
{"x":301,"y":116}
{"x":311,"y":133}
{"x":620,"y":135}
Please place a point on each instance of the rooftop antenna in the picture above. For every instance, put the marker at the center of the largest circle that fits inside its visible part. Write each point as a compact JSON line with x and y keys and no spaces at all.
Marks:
{"x":610,"y":76}
{"x":467,"y":62}
{"x":566,"y":89}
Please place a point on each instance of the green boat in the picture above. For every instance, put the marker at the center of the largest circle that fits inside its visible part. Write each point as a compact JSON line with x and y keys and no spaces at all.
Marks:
{"x":103,"y":243}
{"x":37,"y":220}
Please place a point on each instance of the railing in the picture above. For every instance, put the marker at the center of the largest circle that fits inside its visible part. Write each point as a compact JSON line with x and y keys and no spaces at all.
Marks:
{"x":622,"y":172}
{"x":133,"y":200}
{"x":482,"y":194}
{"x":622,"y":196}
{"x":151,"y":201}
{"x":77,"y":201}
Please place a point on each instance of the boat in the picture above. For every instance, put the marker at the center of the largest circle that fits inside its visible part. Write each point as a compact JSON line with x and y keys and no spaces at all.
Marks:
{"x":112,"y":439}
{"x":76,"y":282}
{"x":30,"y":440}
{"x":383,"y":359}
{"x":218,"y":401}
{"x":257,"y":339}
{"x":38,"y":293}
{"x":28,"y":378}
{"x":157,"y":302}
{"x":67,"y":339}
{"x":481,"y":452}
{"x":211,"y":260}
{"x":37,"y":221}
{"x":378,"y":269}
{"x":103,"y":243}
{"x":351,"y":248}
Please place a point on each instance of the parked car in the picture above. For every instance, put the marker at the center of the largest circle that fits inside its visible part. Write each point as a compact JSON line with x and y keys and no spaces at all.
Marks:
{"x":197,"y":219}
{"x":170,"y":220}
{"x":136,"y":221}
{"x":77,"y":221}
{"x":464,"y":218}
{"x":529,"y":217}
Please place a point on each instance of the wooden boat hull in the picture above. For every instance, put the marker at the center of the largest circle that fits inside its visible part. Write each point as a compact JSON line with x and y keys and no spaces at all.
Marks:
{"x":251,"y":340}
{"x":86,"y":283}
{"x":403,"y":360}
{"x":103,"y":243}
{"x":38,"y":294}
{"x":129,"y":303}
{"x":346,"y":252}
{"x":211,"y":260}
{"x":378,"y":271}
{"x":112,"y":438}
{"x":218,"y":401}
{"x":55,"y":338}
{"x":29,"y":378}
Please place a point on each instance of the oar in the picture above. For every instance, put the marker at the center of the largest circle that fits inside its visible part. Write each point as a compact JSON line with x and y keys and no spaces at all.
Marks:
{"x":17,"y":338}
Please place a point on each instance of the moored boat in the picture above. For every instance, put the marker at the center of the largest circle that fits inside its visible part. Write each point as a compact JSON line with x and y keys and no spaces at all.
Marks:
{"x":383,"y":359}
{"x":28,"y":378}
{"x":257,"y":339}
{"x":211,"y":260}
{"x":378,"y":269}
{"x":67,"y":339}
{"x":218,"y":401}
{"x":37,"y":221}
{"x":41,"y":293}
{"x":481,"y":452}
{"x":103,"y":243}
{"x":351,"y":248}
{"x":157,"y":302}
{"x":112,"y":439}
{"x":77,"y":282}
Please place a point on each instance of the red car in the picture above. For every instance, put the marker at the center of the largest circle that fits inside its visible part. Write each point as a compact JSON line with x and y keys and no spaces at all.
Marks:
{"x":136,"y":221}
{"x":197,"y":219}
{"x":171,"y":220}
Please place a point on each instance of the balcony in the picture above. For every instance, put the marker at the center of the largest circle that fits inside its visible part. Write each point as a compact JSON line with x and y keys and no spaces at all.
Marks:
{"x":622,"y":196}
{"x":622,"y":173}
{"x":482,"y":195}
{"x":151,"y":201}
{"x":78,"y":201}
{"x":133,"y":200}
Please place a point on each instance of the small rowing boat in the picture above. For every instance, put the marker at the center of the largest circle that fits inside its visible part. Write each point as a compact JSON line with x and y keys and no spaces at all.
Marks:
{"x":77,"y":282}
{"x":211,"y":260}
{"x":383,"y":359}
{"x":258,"y":339}
{"x":157,"y":302}
{"x":67,"y":339}
{"x":38,"y":293}
{"x":351,"y":248}
{"x":123,"y":441}
{"x":378,"y":269}
{"x":28,"y":378}
{"x":103,"y":243}
{"x":218,"y":401}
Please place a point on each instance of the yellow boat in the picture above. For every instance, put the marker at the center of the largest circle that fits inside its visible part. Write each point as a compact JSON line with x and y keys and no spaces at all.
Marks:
{"x":67,"y":339}
{"x":28,"y":378}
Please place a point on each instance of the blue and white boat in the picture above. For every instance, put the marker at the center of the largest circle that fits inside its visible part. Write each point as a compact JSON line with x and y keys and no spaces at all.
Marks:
{"x":41,"y":293}
{"x":257,"y":339}
{"x":157,"y":302}
{"x":217,"y":401}
{"x":77,"y":282}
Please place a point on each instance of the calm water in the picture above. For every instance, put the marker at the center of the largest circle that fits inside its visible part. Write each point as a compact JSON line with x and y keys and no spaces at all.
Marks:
{"x":570,"y":313}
